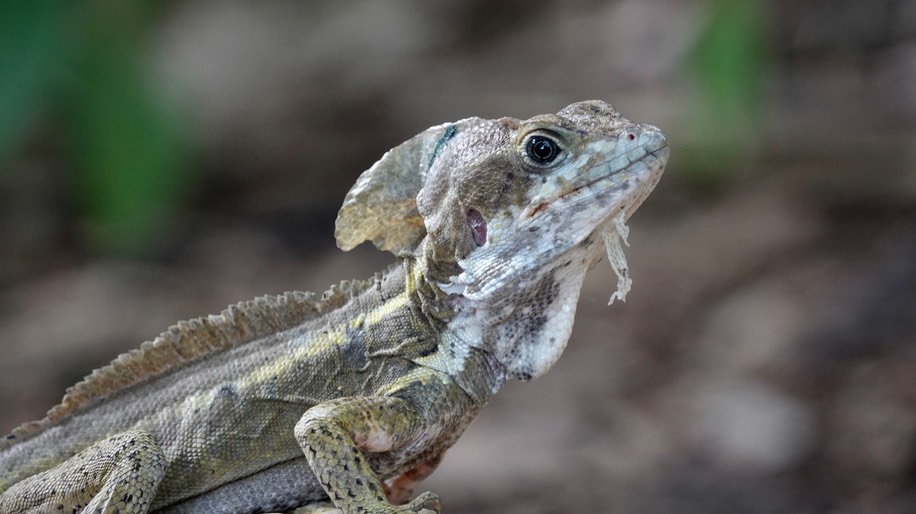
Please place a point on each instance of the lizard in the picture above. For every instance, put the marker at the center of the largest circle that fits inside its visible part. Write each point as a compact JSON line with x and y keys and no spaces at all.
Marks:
{"x":353,"y":396}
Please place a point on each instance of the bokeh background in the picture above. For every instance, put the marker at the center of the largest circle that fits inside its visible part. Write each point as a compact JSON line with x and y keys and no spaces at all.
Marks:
{"x":160,"y":160}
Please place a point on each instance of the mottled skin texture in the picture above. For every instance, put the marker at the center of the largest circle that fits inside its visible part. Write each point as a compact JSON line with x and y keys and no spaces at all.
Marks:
{"x":353,"y":397}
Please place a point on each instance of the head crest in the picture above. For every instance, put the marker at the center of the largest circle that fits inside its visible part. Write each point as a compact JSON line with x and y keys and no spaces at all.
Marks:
{"x":382,"y":206}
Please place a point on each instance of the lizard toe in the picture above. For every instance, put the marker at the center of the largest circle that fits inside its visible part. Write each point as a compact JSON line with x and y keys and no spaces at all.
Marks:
{"x":426,"y":503}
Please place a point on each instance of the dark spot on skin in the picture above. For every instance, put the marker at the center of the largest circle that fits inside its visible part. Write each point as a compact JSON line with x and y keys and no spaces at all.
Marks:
{"x":540,"y":297}
{"x":354,"y":349}
{"x":226,"y":391}
{"x":450,"y":132}
{"x":534,"y":325}
{"x":589,"y":108}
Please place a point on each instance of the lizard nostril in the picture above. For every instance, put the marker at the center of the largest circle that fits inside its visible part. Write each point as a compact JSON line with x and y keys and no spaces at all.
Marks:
{"x":478,"y":226}
{"x":631,"y":136}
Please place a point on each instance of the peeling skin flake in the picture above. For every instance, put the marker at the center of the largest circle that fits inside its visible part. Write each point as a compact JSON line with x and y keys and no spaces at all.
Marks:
{"x":615,"y":256}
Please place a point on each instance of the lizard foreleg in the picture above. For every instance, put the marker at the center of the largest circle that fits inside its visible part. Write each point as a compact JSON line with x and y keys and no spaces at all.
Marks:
{"x":334,"y":437}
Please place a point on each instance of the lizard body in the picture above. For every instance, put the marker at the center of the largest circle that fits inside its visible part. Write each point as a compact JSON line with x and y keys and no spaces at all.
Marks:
{"x":354,"y":396}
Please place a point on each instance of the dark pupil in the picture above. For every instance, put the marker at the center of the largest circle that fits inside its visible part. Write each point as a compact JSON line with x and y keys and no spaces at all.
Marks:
{"x":542,"y":150}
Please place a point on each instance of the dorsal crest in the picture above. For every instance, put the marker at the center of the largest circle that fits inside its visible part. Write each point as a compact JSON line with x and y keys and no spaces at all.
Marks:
{"x":189,"y":341}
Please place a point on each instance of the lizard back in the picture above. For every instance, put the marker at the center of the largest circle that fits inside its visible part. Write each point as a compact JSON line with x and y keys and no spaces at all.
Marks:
{"x":206,"y":361}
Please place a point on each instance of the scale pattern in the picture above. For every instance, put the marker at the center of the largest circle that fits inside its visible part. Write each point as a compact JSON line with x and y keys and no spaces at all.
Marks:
{"x":351,"y":398}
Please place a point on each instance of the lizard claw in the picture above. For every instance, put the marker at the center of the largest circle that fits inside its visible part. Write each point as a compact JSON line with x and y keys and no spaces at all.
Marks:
{"x":317,"y":508}
{"x":426,"y":503}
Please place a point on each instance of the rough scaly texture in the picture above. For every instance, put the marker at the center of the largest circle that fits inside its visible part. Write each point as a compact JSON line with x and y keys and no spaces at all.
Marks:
{"x":352,"y":397}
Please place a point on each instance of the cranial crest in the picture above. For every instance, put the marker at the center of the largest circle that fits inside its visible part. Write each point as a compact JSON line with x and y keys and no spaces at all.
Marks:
{"x":382,"y":206}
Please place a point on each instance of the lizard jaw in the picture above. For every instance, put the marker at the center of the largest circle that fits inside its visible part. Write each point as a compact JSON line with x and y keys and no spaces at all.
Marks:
{"x":639,"y":167}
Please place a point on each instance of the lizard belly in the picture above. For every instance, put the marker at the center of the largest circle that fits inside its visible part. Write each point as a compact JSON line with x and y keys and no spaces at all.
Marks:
{"x":281,"y":487}
{"x":244,"y":439}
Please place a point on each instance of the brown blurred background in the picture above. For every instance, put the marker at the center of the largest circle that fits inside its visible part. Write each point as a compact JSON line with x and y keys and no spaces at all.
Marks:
{"x":160,"y":160}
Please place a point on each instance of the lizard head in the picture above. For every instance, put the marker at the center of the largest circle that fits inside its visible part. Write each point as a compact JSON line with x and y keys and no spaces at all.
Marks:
{"x":508,"y":215}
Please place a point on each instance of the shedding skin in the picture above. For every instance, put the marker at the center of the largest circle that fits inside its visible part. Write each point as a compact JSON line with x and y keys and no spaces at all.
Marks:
{"x":351,"y":398}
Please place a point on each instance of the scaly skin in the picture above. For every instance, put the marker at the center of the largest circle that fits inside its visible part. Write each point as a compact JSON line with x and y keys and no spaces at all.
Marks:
{"x":354,"y":397}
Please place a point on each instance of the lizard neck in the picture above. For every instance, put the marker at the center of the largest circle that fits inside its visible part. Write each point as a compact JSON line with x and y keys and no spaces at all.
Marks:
{"x":462,"y":352}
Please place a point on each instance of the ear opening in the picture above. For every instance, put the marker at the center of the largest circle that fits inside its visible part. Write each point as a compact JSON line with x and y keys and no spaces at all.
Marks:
{"x":382,"y":206}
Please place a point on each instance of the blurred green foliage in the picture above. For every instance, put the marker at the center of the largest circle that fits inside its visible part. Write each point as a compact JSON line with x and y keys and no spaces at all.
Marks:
{"x":33,"y":52}
{"x":729,"y":64}
{"x":79,"y":65}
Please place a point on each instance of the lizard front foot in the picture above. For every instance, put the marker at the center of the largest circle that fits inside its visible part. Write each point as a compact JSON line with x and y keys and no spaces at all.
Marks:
{"x":317,"y":508}
{"x":426,"y":503}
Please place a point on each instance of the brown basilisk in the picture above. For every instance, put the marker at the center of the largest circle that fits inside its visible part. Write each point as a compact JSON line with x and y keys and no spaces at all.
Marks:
{"x":353,"y":396}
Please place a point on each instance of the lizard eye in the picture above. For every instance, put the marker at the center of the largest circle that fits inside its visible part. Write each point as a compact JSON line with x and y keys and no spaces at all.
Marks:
{"x":542,"y":149}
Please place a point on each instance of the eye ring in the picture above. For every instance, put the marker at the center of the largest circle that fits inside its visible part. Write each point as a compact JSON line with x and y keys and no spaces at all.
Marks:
{"x":542,"y":149}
